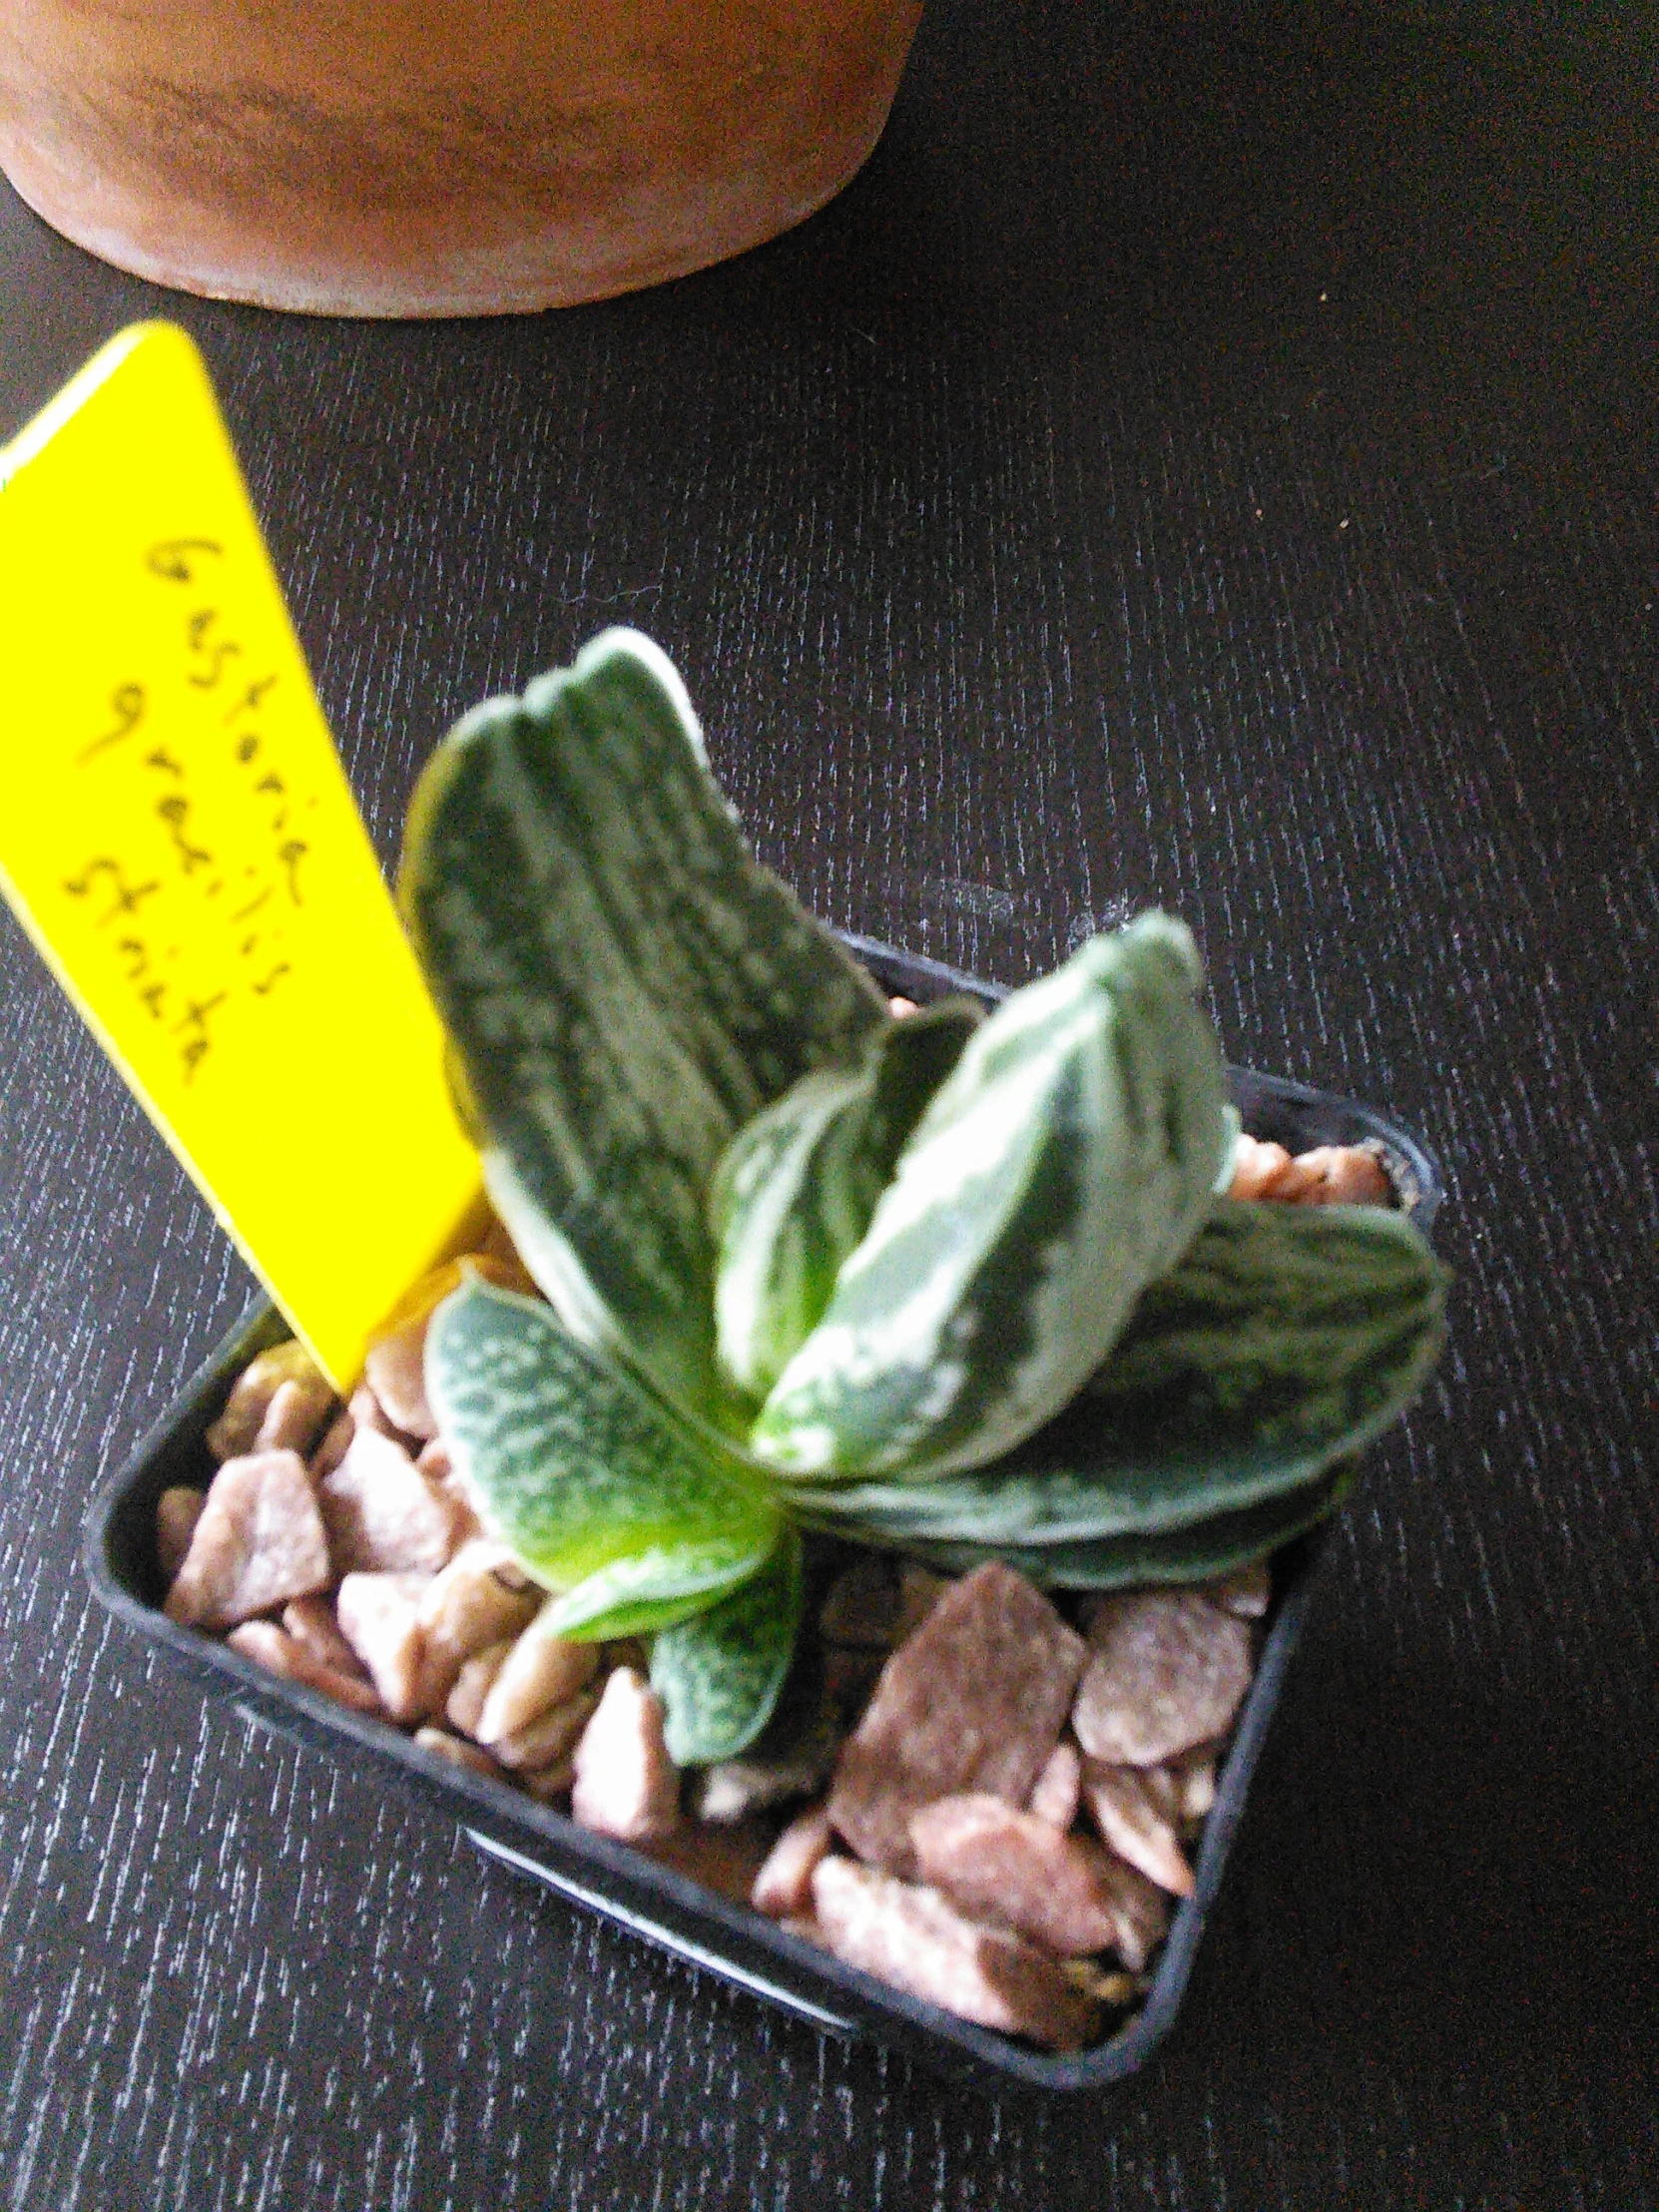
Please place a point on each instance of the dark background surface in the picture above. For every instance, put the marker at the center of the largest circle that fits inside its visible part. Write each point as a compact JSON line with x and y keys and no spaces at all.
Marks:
{"x":1207,"y":457}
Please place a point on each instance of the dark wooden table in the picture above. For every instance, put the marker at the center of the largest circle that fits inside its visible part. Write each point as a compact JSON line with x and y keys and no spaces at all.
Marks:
{"x":1207,"y":458}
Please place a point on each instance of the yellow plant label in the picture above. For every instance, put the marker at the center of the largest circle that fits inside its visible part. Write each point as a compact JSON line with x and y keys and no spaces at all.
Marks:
{"x":178,"y":836}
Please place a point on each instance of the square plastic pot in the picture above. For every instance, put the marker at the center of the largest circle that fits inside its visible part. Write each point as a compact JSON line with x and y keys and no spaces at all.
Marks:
{"x":653,"y":1901}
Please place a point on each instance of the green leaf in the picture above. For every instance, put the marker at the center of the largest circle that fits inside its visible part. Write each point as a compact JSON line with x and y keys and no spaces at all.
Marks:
{"x":624,"y":989}
{"x":1067,"y":1161}
{"x":797,"y":1187}
{"x":1214,"y":1546}
{"x":1285,"y":1341}
{"x":577,"y":1467}
{"x":653,"y":1589}
{"x":719,"y":1674}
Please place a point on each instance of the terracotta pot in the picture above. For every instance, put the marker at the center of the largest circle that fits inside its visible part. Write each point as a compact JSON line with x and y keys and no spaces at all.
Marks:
{"x":437,"y":156}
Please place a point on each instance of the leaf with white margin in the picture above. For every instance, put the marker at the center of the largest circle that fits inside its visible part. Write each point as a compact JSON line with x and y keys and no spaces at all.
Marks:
{"x":1203,"y":1548}
{"x":623,"y":986}
{"x":795,"y":1187}
{"x":1067,"y":1161}
{"x":1285,"y":1341}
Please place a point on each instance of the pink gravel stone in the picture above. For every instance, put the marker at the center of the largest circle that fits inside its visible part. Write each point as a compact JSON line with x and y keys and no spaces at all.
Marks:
{"x":1166,"y":1671}
{"x":917,"y":1941}
{"x":258,"y":1542}
{"x":466,"y":1700}
{"x":477,"y":1600}
{"x":379,"y":1615}
{"x":395,"y":1370}
{"x":1247,"y":1591}
{"x":382,"y":1513}
{"x":337,"y":1442}
{"x":1136,"y":1809}
{"x":1058,"y":1790}
{"x":1020,"y":1871}
{"x":541,"y":1671}
{"x":280,"y":1653}
{"x":296,"y":1416}
{"x":547,"y":1739}
{"x":974,"y":1700}
{"x":311,"y":1621}
{"x":625,"y":1783}
{"x":460,"y":1754}
{"x":784,"y":1887}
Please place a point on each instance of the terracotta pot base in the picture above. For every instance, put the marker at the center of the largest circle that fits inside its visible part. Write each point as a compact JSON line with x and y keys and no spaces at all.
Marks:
{"x":498,"y":158}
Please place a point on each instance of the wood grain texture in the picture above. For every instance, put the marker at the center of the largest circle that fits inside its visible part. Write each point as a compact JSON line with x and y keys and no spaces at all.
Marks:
{"x":1205,"y":458}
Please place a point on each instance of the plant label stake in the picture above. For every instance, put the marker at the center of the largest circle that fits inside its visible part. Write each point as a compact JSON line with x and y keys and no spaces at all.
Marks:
{"x":178,"y":836}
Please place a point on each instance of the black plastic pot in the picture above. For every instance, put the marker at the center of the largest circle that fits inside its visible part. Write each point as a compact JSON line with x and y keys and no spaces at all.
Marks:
{"x":653,"y":1901}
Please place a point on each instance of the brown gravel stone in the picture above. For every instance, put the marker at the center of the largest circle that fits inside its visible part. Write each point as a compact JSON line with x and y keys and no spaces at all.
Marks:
{"x":231,"y":1435}
{"x":1194,"y":1782}
{"x":382,"y":1515}
{"x":257,"y":1542}
{"x":337,"y":1442}
{"x":916,"y":1940}
{"x":394,"y":1371}
{"x":850,"y":1678}
{"x":1348,"y":1175}
{"x":296,"y":1416}
{"x":549,"y":1737}
{"x":1166,"y":1671}
{"x":542,"y":1670}
{"x":1136,"y":1811}
{"x":477,"y":1600}
{"x":457,"y":1752}
{"x":177,"y":1512}
{"x":1329,"y":1175}
{"x":625,"y":1783}
{"x":1245,"y":1592}
{"x":379,"y":1615}
{"x":280,"y":1653}
{"x":548,"y":1784}
{"x":724,"y":1859}
{"x":790,"y":1757}
{"x":784,"y":1887}
{"x":973,"y":1701}
{"x":367,"y":1413}
{"x":1018,"y":1871}
{"x":472,"y":1687}
{"x":1057,"y":1792}
{"x":1143,"y":1912}
{"x":311,"y":1621}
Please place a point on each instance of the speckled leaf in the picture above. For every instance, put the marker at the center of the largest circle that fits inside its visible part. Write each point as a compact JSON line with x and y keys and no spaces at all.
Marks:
{"x":719,"y":1674}
{"x":796,"y":1189}
{"x":572,"y":1462}
{"x":1284,"y":1339}
{"x":1068,"y":1159}
{"x":624,"y":986}
{"x":1214,"y":1546}
{"x":653,"y":1589}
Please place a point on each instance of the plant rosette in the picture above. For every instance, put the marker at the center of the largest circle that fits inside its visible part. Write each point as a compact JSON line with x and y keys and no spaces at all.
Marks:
{"x":952,"y":1285}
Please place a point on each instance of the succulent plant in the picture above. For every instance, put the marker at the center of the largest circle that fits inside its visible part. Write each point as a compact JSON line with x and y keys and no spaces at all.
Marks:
{"x":952,"y":1284}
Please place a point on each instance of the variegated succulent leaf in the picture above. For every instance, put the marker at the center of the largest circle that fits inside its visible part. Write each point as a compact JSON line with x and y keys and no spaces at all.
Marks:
{"x":1193,"y":1552}
{"x":625,"y":988}
{"x":719,"y":1674}
{"x":795,"y":1187}
{"x":1067,"y":1160}
{"x":576,"y":1466}
{"x":650,"y":1590}
{"x":1284,"y":1341}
